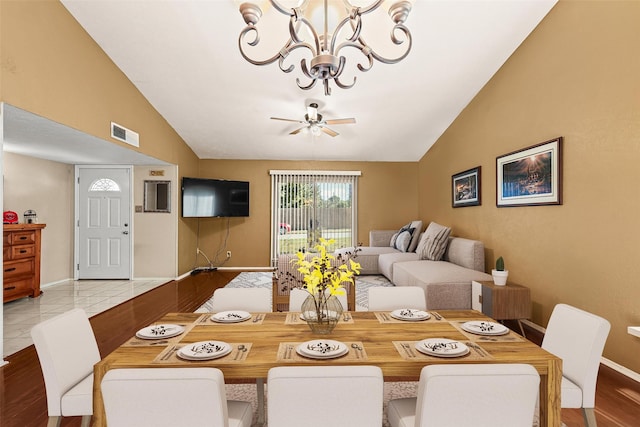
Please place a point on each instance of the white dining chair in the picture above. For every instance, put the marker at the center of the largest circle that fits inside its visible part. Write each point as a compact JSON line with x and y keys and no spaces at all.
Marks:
{"x":479,"y":395}
{"x":321,"y":396}
{"x":67,"y":350}
{"x":297,"y":297}
{"x":170,"y":397}
{"x":253,"y":300}
{"x":578,"y":338}
{"x":389,"y":298}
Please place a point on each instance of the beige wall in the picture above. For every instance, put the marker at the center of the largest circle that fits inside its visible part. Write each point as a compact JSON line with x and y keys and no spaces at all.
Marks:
{"x":47,"y":188}
{"x":155,"y":233}
{"x":51,"y":67}
{"x":576,"y":76}
{"x":387,"y":198}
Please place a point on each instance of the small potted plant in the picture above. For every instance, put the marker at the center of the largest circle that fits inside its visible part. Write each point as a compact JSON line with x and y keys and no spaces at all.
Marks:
{"x":499,"y":273}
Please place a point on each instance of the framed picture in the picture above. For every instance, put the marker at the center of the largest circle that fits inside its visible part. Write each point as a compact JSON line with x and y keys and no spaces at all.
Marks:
{"x":466,"y":188}
{"x":531,"y":176}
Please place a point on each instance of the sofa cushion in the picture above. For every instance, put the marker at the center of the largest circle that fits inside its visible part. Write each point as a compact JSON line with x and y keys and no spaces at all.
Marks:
{"x":447,"y":285}
{"x":368,"y":257}
{"x":465,"y":252}
{"x":433,"y":242}
{"x":386,"y":261}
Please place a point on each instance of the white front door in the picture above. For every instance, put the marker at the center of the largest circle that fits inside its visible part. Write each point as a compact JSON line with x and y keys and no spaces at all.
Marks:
{"x":103,"y":222}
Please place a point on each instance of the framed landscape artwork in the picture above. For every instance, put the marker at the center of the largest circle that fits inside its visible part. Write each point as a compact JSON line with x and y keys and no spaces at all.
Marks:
{"x":466,"y":188}
{"x":531,"y":176}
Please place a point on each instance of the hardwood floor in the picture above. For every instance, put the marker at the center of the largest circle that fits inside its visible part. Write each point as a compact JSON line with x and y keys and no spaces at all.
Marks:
{"x":22,"y":394}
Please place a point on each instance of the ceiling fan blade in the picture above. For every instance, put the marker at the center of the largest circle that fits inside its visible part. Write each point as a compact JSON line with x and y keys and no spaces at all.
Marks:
{"x":329,"y":132}
{"x":288,"y":120}
{"x":340,"y":121}
{"x":297,"y":131}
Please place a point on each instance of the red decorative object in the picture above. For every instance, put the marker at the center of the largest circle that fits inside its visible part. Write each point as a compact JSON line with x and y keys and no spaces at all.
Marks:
{"x":10,"y":217}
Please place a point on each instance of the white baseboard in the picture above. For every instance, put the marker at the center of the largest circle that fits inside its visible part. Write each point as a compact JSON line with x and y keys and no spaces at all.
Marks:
{"x":613,"y":365}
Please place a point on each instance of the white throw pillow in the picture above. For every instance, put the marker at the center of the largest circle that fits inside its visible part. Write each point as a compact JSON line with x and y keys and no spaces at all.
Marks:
{"x":433,"y":242}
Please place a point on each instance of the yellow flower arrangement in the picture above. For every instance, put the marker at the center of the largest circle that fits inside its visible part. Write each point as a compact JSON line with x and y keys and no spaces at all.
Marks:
{"x":324,"y":276}
{"x":320,"y":275}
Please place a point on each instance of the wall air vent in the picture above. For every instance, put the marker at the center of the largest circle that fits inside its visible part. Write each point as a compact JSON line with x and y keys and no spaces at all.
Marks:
{"x":123,"y":134}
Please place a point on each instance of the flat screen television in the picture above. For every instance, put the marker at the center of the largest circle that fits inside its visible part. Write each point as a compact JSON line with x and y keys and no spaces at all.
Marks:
{"x":203,"y":198}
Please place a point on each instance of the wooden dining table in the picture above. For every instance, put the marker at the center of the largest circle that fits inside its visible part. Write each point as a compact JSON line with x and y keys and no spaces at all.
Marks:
{"x":268,"y":340}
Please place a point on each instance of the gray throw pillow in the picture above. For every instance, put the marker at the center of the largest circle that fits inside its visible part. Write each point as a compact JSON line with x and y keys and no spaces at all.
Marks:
{"x":403,"y":240}
{"x":392,"y":243}
{"x":433,"y":242}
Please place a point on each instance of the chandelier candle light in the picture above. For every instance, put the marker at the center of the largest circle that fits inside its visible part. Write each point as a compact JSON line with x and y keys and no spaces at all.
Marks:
{"x":326,"y":63}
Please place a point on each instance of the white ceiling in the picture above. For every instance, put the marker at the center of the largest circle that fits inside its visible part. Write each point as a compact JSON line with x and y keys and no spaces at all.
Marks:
{"x":183,"y":56}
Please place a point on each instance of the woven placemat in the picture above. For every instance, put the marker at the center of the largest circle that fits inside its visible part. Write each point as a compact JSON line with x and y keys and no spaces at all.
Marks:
{"x":237,"y":355}
{"x":256,"y":319}
{"x":408,"y":351}
{"x":510,"y":336}
{"x":385,"y":317}
{"x":140,"y":342}
{"x":287,"y":353}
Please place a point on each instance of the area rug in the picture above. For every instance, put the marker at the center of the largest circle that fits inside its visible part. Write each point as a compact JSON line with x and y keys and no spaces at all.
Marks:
{"x":264,"y":280}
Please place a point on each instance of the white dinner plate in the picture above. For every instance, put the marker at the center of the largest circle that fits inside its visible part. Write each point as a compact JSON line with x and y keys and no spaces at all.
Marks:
{"x":314,"y":315}
{"x":480,"y":327}
{"x":442,"y":347}
{"x":204,"y":350}
{"x":322,"y":349}
{"x":231,"y":316}
{"x":157,"y":332}
{"x":410,"y":314}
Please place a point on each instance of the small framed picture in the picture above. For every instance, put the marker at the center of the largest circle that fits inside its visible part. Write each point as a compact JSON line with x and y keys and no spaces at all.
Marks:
{"x":466,"y":188}
{"x":531,"y":176}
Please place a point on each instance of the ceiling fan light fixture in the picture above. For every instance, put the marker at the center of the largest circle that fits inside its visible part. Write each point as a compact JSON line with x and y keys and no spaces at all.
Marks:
{"x":322,"y":59}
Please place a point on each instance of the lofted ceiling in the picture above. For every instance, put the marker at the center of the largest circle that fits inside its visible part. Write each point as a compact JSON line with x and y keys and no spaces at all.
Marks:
{"x":183,"y":56}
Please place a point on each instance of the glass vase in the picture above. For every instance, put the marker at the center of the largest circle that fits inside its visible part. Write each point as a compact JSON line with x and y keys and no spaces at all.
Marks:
{"x":322,"y":312}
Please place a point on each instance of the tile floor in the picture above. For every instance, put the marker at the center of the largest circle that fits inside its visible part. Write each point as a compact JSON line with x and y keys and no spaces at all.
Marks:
{"x":94,"y":296}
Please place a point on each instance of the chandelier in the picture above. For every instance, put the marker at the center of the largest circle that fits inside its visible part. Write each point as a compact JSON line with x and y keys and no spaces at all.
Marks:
{"x":327,"y":61}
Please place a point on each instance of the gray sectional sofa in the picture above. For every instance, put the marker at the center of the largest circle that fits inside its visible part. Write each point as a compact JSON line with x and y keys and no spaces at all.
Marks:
{"x":447,"y":283}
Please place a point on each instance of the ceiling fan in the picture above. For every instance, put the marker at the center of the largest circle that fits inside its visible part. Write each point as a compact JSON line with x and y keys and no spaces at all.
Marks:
{"x":313,"y":122}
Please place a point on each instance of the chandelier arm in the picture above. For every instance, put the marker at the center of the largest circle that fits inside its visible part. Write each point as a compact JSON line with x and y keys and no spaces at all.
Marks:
{"x":341,"y":85}
{"x":287,"y":50}
{"x":254,"y":42}
{"x":396,"y":41}
{"x":293,"y":32}
{"x":366,"y":9}
{"x":286,"y":10}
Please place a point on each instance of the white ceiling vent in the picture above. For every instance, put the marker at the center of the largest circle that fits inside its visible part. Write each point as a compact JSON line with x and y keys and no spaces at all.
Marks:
{"x":123,"y":134}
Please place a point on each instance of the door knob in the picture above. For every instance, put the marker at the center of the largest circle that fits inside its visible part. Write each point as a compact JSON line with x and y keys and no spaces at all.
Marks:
{"x":125,"y":232}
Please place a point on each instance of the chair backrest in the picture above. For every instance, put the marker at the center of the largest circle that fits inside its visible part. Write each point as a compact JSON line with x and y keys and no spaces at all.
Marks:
{"x":248,"y":299}
{"x":481,"y":395}
{"x":297,"y":297}
{"x":578,"y":338}
{"x":162,"y":397}
{"x":396,"y":297}
{"x":67,"y":350}
{"x":341,"y":395}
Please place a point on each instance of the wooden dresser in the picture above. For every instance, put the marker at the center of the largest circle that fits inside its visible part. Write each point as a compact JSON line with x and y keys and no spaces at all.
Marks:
{"x":21,"y":260}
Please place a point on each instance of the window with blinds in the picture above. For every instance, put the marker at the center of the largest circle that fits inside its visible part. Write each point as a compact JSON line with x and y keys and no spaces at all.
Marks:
{"x":307,"y":205}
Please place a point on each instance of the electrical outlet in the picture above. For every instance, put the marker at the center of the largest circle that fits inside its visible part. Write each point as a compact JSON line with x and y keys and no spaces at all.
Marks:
{"x":228,"y":254}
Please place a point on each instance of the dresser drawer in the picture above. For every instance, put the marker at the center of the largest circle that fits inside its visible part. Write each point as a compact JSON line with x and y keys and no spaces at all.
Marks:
{"x":22,"y":251}
{"x":22,"y":237}
{"x":20,"y":288}
{"x":6,"y":238}
{"x":18,"y":268}
{"x":6,"y":253}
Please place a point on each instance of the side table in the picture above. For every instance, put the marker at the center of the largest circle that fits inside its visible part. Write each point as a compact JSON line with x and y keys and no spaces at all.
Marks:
{"x":509,"y":302}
